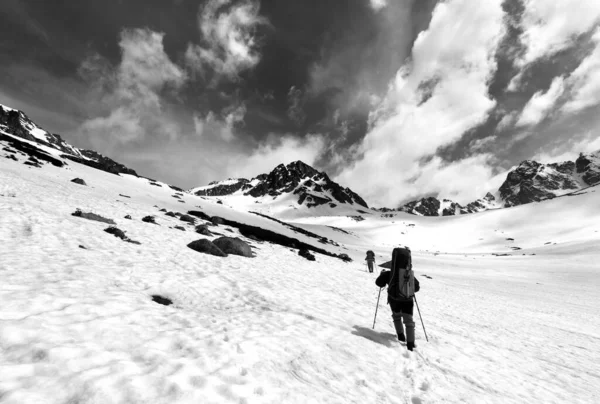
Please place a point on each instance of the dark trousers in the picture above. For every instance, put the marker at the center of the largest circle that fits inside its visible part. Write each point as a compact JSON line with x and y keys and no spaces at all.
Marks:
{"x":403,"y":312}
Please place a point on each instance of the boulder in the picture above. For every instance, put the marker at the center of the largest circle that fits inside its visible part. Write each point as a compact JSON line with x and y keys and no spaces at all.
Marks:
{"x":179,"y":228}
{"x":203,"y":229}
{"x":233,"y":245}
{"x":171,"y":214}
{"x":149,"y":219}
{"x":187,"y":218}
{"x":345,"y":257}
{"x":306,"y":254}
{"x":216,"y":220}
{"x":206,"y":247}
{"x":78,"y":181}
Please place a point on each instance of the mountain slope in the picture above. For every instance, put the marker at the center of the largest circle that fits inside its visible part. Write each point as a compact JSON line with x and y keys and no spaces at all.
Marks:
{"x":529,"y":182}
{"x":292,"y":185}
{"x":16,"y":123}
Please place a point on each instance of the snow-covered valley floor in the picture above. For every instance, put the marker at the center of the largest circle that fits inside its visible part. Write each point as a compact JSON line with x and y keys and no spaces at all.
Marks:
{"x":78,"y":325}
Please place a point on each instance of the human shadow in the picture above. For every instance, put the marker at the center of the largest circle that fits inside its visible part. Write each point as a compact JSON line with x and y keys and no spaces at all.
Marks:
{"x":384,"y":338}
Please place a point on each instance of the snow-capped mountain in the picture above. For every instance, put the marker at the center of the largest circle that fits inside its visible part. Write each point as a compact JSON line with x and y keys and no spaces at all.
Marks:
{"x":431,"y":206}
{"x":296,"y":181}
{"x":529,"y":182}
{"x":16,"y":123}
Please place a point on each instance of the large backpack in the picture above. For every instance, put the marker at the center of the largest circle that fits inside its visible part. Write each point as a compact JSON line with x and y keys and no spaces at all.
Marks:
{"x":370,"y":254}
{"x":402,"y":280}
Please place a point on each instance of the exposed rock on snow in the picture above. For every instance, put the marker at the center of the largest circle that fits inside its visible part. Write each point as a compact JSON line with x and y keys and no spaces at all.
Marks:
{"x":203,"y":229}
{"x":306,"y":254}
{"x":149,"y":219}
{"x":92,"y":216}
{"x":233,"y":245}
{"x":206,"y":247}
{"x":165,"y":301}
{"x":187,"y":218}
{"x":78,"y":181}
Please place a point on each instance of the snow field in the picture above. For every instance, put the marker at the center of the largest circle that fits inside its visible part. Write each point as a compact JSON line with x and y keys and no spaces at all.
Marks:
{"x":78,"y":325}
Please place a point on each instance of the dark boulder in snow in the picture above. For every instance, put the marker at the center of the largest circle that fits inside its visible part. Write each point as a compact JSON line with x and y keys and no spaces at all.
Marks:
{"x":92,"y":216}
{"x":78,"y":181}
{"x":171,"y":214}
{"x":306,"y":254}
{"x":345,"y":257}
{"x":115,"y":231}
{"x":165,"y":301}
{"x":199,"y":214}
{"x":128,"y":217}
{"x":203,"y":229}
{"x":216,"y":220}
{"x":233,"y":245}
{"x":148,"y":219}
{"x":187,"y":218}
{"x":207,"y":247}
{"x":179,"y":228}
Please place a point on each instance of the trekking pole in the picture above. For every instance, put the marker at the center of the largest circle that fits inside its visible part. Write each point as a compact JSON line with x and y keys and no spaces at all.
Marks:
{"x":421,"y":317}
{"x":376,"y":307}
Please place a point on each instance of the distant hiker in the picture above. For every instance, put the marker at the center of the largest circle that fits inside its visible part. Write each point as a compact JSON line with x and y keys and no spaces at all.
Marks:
{"x":402,"y":286}
{"x":370,"y":260}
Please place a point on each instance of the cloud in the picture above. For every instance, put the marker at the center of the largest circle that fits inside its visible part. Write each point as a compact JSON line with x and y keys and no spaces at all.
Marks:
{"x":455,"y":55}
{"x":585,"y":81}
{"x":295,"y":111}
{"x":229,"y":35}
{"x":131,"y":92}
{"x":377,"y":4}
{"x":223,"y":128}
{"x":569,"y":150}
{"x":541,"y":103}
{"x":277,"y":150}
{"x":551,"y":26}
{"x":440,"y":177}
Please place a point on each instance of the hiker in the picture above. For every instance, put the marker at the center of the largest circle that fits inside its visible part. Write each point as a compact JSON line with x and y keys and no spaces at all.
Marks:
{"x":402,"y":286}
{"x":370,"y":260}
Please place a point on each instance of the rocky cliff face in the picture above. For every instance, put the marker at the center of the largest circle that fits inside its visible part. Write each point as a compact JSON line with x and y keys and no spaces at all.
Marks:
{"x":529,"y":182}
{"x":534,"y":182}
{"x":431,"y":206}
{"x":16,"y":123}
{"x":312,"y":187}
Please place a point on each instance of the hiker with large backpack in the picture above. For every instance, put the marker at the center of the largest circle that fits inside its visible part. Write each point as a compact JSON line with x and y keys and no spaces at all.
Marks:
{"x":370,"y":260}
{"x":402,"y":286}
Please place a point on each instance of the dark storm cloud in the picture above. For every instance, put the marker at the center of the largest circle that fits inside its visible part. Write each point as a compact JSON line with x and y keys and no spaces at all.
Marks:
{"x":535,"y":77}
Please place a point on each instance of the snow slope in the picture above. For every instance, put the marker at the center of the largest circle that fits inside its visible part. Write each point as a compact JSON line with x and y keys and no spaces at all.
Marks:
{"x":78,"y":325}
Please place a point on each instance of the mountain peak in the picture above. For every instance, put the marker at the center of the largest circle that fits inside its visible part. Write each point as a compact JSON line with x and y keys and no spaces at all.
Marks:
{"x":312,"y":187}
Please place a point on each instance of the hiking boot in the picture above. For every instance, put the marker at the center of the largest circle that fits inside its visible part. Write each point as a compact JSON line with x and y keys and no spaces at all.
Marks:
{"x":410,"y":345}
{"x":401,"y":337}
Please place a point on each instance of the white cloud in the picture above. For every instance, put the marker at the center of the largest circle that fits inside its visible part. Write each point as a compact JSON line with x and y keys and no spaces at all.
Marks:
{"x":551,"y":26}
{"x":144,"y":61}
{"x":507,"y":121}
{"x":456,"y":56}
{"x":585,"y":81}
{"x":569,"y":150}
{"x":441,"y":177}
{"x":228,"y":31}
{"x":541,"y":103}
{"x":277,"y":150}
{"x":131,"y":92}
{"x":224,"y":128}
{"x":378,"y":4}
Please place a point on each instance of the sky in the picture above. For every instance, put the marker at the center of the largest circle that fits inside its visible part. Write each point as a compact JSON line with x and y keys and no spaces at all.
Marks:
{"x":395,"y":99}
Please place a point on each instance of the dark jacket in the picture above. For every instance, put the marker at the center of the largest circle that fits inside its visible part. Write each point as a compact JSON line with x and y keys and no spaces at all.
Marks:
{"x":384,"y":278}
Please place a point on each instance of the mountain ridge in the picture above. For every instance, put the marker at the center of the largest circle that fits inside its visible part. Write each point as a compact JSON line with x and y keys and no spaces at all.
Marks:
{"x":529,"y":182}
